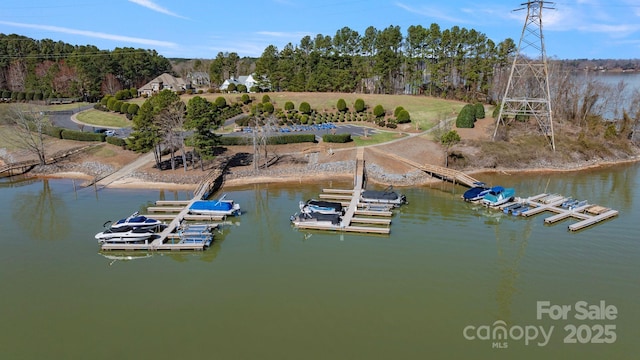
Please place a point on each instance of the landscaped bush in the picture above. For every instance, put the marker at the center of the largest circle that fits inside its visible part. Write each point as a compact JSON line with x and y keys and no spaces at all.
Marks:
{"x":479,"y":110}
{"x":378,"y":111}
{"x":114,"y":140}
{"x":403,"y":117}
{"x":268,"y":108}
{"x":266,"y":98}
{"x":133,"y":109}
{"x":82,"y":136}
{"x":220,"y":102}
{"x":241,"y":88}
{"x":337,"y":138}
{"x":341,"y":105}
{"x":231,"y":87}
{"x":53,"y":131}
{"x":111,"y":103}
{"x":396,"y":112}
{"x":291,"y":139}
{"x":359,"y":105}
{"x":466,"y":117}
{"x":124,"y":108}
{"x":105,"y":100}
{"x":234,"y":140}
{"x":245,"y":99}
{"x":305,"y":108}
{"x":289,"y":106}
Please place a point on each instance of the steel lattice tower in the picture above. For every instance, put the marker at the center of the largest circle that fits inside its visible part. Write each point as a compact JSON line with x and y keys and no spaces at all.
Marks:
{"x":527,"y":93}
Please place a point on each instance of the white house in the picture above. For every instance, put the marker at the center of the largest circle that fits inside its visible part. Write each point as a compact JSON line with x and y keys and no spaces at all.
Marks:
{"x":247,"y":80}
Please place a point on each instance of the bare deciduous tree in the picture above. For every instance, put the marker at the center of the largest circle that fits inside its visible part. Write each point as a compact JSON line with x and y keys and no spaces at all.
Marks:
{"x":171,"y":121}
{"x":28,"y":126}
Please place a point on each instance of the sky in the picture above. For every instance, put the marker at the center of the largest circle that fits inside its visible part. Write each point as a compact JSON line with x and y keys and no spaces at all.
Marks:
{"x":573,"y":29}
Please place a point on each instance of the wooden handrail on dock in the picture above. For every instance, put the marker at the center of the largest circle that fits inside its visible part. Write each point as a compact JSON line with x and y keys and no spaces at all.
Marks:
{"x":435,"y":170}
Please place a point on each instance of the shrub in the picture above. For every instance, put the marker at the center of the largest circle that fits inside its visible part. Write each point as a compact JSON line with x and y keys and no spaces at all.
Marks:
{"x":466,"y":117}
{"x":82,"y":136}
{"x":403,"y":117}
{"x":391,"y":125}
{"x":124,"y":108}
{"x":289,"y":106}
{"x":359,"y":106}
{"x":133,"y":109}
{"x":241,"y":88}
{"x":231,"y":87}
{"x":341,"y":105}
{"x":266,"y":98}
{"x":53,"y":131}
{"x":6,"y":94}
{"x":111,"y":103}
{"x":133,"y":93}
{"x":291,"y":139}
{"x":234,"y":140}
{"x":114,"y":140}
{"x":245,"y":99}
{"x":337,"y":138}
{"x":268,"y":108}
{"x":479,"y":110}
{"x":378,"y":111}
{"x":396,"y":112}
{"x":305,"y":108}
{"x":220,"y":102}
{"x":117,"y":106}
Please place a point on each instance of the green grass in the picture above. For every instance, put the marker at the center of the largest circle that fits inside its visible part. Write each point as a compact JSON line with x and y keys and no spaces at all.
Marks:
{"x":102,"y":118}
{"x":378,"y":138}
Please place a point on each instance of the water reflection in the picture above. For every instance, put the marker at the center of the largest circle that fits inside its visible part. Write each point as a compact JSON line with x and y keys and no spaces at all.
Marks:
{"x":43,"y":215}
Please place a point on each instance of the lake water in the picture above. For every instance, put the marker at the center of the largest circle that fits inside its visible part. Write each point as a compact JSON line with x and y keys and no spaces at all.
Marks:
{"x":267,"y":291}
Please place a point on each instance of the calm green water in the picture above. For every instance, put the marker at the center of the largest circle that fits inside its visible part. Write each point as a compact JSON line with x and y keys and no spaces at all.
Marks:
{"x":267,"y":291}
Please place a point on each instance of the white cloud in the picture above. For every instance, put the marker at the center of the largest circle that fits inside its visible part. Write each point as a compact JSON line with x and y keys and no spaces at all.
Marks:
{"x":155,"y":7}
{"x":92,"y":34}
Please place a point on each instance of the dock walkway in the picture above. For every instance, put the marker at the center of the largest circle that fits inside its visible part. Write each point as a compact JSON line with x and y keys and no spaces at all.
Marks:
{"x":440,"y":172}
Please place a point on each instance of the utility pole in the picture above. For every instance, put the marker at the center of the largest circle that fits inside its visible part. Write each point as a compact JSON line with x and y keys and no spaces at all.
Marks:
{"x":527,"y":93}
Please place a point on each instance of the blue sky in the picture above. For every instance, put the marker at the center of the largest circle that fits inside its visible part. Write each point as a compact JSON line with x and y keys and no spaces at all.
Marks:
{"x":576,"y":29}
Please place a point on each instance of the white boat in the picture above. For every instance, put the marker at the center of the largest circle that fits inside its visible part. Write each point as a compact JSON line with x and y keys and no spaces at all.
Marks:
{"x":136,"y":220}
{"x":498,"y":195}
{"x":386,"y":196}
{"x":316,"y":218}
{"x":215,"y":207}
{"x":124,"y":234}
{"x":322,"y":207}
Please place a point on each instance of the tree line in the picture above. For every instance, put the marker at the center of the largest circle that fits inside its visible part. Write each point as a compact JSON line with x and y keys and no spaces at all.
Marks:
{"x":47,"y":68}
{"x":451,"y":63}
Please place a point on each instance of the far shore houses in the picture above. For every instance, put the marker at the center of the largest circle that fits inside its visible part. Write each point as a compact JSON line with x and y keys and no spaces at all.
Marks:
{"x":199,"y":80}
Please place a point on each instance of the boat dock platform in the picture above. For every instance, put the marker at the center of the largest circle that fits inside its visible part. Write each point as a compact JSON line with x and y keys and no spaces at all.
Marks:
{"x":356,"y":212}
{"x":178,"y":234}
{"x":565,"y":208}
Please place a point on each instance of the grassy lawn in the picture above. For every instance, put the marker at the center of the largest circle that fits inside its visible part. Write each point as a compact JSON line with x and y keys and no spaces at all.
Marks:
{"x":102,"y":118}
{"x":378,"y":138}
{"x":424,"y":111}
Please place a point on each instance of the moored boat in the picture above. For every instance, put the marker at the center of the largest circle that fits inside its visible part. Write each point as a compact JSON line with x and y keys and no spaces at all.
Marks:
{"x":124,"y":234}
{"x":329,"y":219}
{"x":476,"y":193}
{"x":136,"y":221}
{"x":215,"y":207}
{"x":498,"y":195}
{"x":322,"y":207}
{"x":386,"y":196}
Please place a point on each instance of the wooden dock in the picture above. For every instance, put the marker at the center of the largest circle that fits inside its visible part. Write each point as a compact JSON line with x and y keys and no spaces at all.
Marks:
{"x":356,"y":212}
{"x":586,"y":214}
{"x":174,"y":237}
{"x":440,"y":172}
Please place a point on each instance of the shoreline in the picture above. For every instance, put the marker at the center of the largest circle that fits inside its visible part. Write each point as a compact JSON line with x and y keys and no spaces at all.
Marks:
{"x":137,"y":183}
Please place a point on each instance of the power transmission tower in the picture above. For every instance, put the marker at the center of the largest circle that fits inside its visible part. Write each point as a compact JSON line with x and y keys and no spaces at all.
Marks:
{"x":527,"y":93}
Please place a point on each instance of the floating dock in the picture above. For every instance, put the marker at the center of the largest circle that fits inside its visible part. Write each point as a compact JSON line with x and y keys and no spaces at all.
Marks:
{"x":564,"y":208}
{"x":378,"y":218}
{"x":178,"y":234}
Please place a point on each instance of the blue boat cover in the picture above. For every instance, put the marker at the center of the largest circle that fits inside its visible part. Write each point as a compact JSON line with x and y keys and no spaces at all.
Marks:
{"x":212,"y":205}
{"x":497,"y":189}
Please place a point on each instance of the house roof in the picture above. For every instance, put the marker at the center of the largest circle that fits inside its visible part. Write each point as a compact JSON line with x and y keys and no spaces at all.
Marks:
{"x":167,"y":80}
